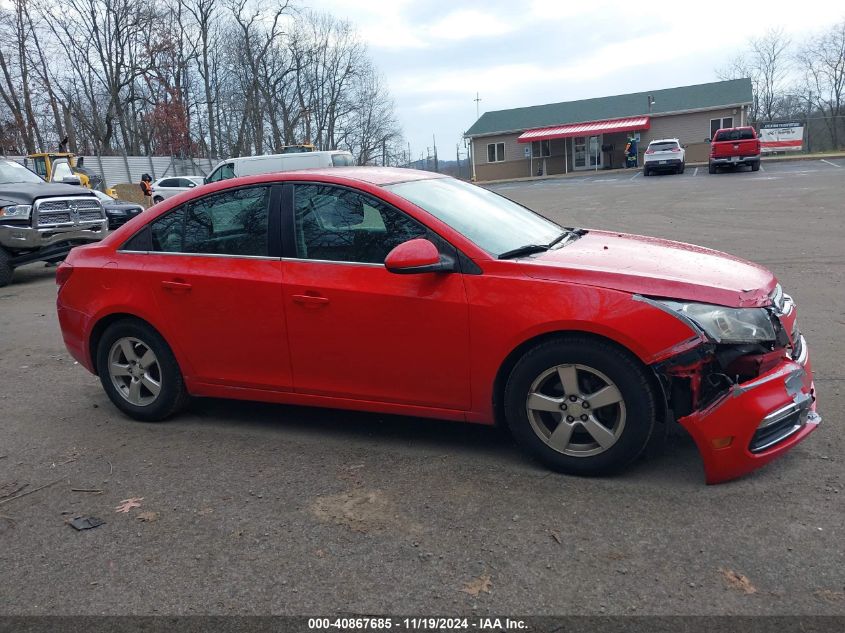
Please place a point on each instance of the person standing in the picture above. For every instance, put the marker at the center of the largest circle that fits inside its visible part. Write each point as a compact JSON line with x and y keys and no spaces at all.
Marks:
{"x":147,"y":189}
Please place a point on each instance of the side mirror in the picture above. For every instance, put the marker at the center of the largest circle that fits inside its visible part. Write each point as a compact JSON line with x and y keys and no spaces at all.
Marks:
{"x":191,"y":184}
{"x":71,"y":180}
{"x":417,"y":256}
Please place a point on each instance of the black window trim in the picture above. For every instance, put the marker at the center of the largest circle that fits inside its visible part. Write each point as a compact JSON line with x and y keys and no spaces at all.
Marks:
{"x":274,"y":227}
{"x":288,"y":228}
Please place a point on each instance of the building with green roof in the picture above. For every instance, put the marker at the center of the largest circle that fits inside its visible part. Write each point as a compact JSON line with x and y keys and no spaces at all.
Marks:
{"x":591,"y":134}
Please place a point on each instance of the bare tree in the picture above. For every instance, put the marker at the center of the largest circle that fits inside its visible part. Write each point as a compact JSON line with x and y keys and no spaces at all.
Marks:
{"x":822,"y":62}
{"x":767,"y":63}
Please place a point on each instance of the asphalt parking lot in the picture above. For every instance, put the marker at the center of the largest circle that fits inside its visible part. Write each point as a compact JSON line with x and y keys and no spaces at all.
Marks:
{"x":259,"y":509}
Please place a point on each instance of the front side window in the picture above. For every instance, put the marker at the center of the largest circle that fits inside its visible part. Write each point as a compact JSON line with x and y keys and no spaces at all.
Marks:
{"x":39,"y":165}
{"x":226,"y":223}
{"x":337,"y":224}
{"x":342,"y":160}
{"x":495,"y":152}
{"x":224,"y":172}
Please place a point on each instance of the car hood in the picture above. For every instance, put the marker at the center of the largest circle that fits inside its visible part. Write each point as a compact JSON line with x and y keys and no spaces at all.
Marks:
{"x":655,"y":267}
{"x":26,"y":193}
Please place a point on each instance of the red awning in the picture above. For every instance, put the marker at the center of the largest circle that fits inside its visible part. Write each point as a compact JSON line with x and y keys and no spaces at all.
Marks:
{"x":591,"y":128}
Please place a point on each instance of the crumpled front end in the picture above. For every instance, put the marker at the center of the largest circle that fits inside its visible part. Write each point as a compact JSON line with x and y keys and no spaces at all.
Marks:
{"x":744,"y":405}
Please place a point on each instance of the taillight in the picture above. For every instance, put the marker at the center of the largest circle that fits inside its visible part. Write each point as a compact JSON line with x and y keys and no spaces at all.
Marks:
{"x":649,"y":151}
{"x":63,"y":273}
{"x":676,"y":149}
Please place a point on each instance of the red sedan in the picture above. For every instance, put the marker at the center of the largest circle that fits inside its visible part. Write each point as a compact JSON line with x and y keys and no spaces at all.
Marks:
{"x":406,"y":292}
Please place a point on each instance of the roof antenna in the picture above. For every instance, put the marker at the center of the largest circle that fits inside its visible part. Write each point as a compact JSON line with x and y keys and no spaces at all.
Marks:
{"x":651,"y":102}
{"x":477,"y":99}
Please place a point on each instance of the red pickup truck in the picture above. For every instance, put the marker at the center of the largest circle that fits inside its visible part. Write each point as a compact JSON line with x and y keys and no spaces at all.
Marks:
{"x":735,"y":146}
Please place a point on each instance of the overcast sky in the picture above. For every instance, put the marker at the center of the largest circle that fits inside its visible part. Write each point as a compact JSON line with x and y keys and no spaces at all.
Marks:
{"x":436,"y":54}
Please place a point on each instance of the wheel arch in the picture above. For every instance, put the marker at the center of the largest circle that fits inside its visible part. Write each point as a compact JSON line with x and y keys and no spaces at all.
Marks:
{"x":507,"y":365}
{"x":104,"y":322}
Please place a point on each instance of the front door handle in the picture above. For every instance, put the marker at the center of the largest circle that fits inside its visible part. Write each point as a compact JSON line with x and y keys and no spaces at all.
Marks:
{"x":310,"y":300}
{"x":176,"y":286}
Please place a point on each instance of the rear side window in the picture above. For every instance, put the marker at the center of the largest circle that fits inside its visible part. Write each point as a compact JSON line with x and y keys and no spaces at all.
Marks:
{"x":166,"y":232}
{"x":169,"y":182}
{"x":735,"y":135}
{"x":227,"y":223}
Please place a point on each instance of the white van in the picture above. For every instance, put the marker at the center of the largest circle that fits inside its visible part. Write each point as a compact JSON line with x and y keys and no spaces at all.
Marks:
{"x":252,"y":165}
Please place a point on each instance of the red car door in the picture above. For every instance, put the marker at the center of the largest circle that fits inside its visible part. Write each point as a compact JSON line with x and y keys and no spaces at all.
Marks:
{"x":357,"y":330}
{"x":218,"y":286}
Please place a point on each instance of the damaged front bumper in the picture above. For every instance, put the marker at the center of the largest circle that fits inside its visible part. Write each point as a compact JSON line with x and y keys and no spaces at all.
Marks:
{"x":756,"y":421}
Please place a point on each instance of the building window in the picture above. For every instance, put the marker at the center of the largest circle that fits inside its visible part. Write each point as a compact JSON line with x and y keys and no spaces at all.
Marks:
{"x":495,"y":152}
{"x":541,"y":149}
{"x":718,"y":124}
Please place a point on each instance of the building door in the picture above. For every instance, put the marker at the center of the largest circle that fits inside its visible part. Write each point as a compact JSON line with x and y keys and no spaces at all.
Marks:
{"x":586,"y":152}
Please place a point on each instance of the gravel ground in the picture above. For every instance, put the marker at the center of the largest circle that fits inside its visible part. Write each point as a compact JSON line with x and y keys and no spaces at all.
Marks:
{"x":259,"y":509}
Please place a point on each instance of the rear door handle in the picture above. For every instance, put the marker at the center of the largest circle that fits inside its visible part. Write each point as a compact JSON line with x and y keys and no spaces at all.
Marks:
{"x":310,"y":300}
{"x":176,"y":286}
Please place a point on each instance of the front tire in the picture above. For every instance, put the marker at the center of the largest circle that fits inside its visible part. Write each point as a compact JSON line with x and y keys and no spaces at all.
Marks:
{"x":580,"y":405}
{"x":139,"y":372}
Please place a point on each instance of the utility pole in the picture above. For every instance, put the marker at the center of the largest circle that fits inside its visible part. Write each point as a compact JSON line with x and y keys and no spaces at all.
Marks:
{"x":434,"y":142}
{"x":477,"y":101}
{"x":458,"y":156}
{"x":410,"y":156}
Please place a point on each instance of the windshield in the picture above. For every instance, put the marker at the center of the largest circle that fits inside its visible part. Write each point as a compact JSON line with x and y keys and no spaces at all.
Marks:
{"x":491,"y":221}
{"x":11,"y":172}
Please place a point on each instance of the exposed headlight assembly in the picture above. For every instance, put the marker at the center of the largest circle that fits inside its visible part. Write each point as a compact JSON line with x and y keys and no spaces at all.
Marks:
{"x":17,"y":211}
{"x":726,"y":325}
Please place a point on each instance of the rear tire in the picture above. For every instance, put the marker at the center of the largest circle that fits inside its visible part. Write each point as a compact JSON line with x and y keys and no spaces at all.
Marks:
{"x":6,"y":268}
{"x":139,"y":371}
{"x":711,"y":169}
{"x":755,"y":166}
{"x":549,"y":410}
{"x":681,"y":168}
{"x":646,"y":172}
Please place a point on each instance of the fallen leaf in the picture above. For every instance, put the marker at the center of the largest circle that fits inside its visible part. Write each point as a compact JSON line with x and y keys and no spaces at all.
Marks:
{"x":476,"y":586}
{"x":147,"y":517}
{"x":320,"y":553}
{"x":738,"y":581}
{"x":556,"y":536}
{"x":127,"y":504}
{"x":830,"y":595}
{"x":205,"y":511}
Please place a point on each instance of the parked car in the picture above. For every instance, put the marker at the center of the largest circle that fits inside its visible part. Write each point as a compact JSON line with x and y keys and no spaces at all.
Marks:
{"x":732,"y":147}
{"x":118,"y":212}
{"x":164,"y":188}
{"x":407,"y":292}
{"x":41,"y":221}
{"x":272,"y":163}
{"x":664,"y":155}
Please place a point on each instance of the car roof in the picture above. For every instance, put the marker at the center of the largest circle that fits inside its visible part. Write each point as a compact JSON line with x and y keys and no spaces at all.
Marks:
{"x":372,"y":175}
{"x":664,"y":140}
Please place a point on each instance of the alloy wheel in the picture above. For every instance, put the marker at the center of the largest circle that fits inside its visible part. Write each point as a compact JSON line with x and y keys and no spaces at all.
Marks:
{"x":135,"y":371}
{"x":576,"y":410}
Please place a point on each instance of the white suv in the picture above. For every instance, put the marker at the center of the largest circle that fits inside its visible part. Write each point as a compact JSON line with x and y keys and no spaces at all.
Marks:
{"x":664,"y":155}
{"x":167,"y":187}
